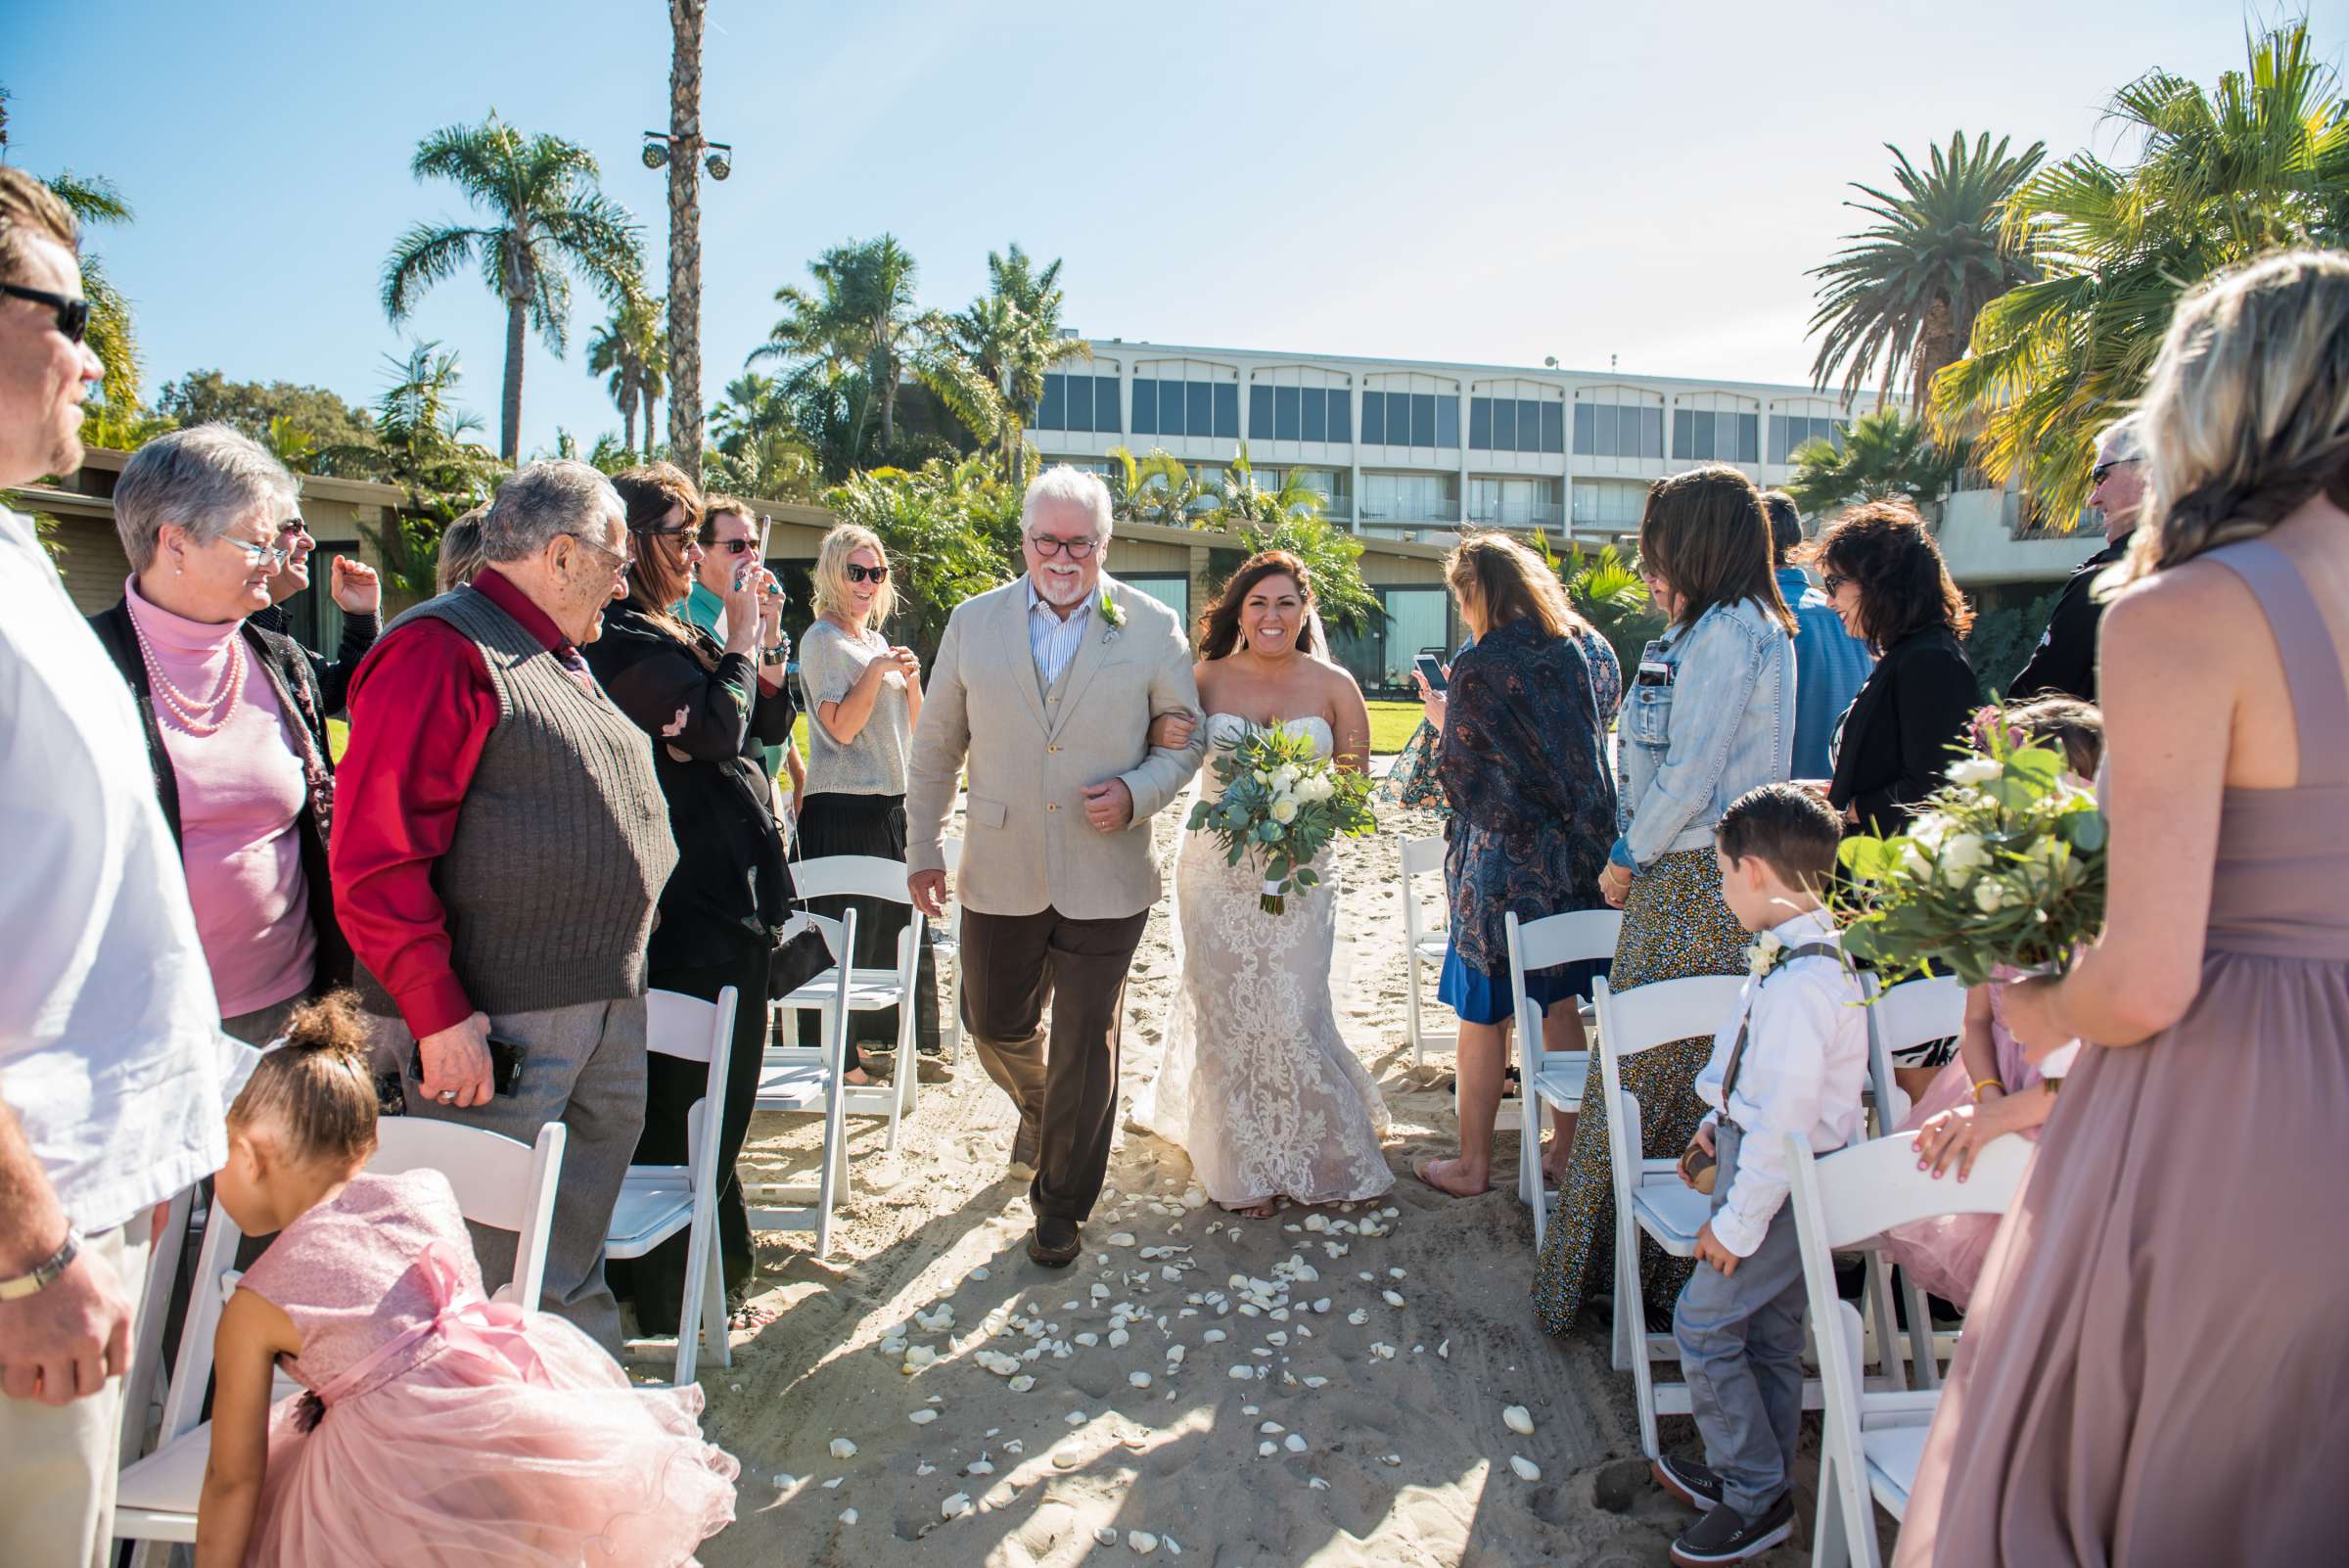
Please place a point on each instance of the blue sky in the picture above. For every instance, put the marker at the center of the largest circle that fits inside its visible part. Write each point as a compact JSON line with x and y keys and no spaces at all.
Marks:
{"x":1491,"y":182}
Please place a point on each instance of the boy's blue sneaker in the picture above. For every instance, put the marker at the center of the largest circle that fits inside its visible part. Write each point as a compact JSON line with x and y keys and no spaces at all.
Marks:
{"x":1724,"y":1536}
{"x":1686,"y":1479}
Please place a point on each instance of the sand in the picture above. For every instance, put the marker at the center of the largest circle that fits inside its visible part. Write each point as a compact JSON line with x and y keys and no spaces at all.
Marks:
{"x":1384,"y":1421}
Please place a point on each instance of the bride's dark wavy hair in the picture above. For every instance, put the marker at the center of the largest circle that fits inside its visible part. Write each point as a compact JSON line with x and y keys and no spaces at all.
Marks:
{"x":1220,"y":627}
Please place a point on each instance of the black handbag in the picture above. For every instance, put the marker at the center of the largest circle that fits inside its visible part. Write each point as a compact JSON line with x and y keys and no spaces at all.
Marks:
{"x":796,"y":960}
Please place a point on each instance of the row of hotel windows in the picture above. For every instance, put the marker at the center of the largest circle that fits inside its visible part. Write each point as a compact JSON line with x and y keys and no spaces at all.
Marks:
{"x":1212,"y":409}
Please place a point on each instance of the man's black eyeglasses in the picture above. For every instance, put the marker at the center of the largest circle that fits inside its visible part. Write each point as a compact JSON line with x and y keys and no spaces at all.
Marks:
{"x":2095,"y":474}
{"x":731,"y":546}
{"x":865,"y":574}
{"x":294,"y":524}
{"x":73,"y":315}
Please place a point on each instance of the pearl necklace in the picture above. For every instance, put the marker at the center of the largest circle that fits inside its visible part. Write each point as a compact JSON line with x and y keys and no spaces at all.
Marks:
{"x":198,"y":716}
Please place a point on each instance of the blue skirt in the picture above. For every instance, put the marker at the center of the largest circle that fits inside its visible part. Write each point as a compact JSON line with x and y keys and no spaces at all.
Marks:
{"x":1482,"y":998}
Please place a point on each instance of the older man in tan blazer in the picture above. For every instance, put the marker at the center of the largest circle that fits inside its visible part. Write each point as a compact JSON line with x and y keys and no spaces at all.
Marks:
{"x":1046,"y":689}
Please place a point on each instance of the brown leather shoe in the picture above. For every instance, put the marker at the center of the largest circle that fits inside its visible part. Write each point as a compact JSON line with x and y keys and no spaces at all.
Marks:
{"x":1056,"y":1242}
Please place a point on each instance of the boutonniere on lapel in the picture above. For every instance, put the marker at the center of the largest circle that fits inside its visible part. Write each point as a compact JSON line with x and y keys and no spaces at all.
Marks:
{"x":1765,"y":955}
{"x":1113,"y":615}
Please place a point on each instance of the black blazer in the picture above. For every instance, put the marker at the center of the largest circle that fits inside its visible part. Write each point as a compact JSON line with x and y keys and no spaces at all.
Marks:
{"x":2064,"y":665}
{"x":289,"y":669}
{"x":1897,"y":734}
{"x":707,"y":728}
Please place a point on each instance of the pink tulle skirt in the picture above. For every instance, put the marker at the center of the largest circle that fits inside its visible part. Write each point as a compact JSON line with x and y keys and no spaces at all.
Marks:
{"x":457,"y":1463}
{"x":1943,"y":1254}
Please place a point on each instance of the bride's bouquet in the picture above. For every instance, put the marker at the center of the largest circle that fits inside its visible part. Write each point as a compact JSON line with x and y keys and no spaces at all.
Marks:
{"x":1282,"y":803}
{"x":2002,"y":872}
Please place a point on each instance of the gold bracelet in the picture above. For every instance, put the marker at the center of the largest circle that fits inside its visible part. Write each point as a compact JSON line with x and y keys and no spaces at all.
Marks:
{"x":1998,"y":1084}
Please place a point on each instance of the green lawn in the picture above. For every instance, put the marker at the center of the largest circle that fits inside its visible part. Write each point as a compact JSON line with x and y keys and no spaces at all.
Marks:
{"x":1391,"y":725}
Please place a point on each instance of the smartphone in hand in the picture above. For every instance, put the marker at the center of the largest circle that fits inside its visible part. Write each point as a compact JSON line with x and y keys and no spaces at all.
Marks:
{"x":1431,"y":670}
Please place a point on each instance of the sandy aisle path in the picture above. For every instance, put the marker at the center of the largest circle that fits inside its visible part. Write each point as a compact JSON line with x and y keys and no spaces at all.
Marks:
{"x":1383,"y":1411}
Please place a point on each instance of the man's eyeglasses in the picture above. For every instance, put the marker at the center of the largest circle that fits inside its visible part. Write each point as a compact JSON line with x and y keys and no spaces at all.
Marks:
{"x":731,"y":546}
{"x":294,"y":525}
{"x":621,"y":561}
{"x":1075,"y":549}
{"x":865,"y":574}
{"x":73,"y":315}
{"x":268,"y":556}
{"x":2095,"y":474}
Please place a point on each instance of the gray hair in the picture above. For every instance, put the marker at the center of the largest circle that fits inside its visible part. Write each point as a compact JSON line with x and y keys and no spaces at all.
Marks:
{"x":543,"y":502}
{"x":1063,"y":486}
{"x":2122,"y":440}
{"x":205,"y":478}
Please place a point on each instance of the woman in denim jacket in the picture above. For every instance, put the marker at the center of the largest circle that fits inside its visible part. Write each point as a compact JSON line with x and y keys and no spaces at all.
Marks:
{"x":1709,"y":715}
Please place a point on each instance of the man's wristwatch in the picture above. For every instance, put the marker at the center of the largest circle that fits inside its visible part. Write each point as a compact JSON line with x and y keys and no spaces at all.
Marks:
{"x":45,"y":1274}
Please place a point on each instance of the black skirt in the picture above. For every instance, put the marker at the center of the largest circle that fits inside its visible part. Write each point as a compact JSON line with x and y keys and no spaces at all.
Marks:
{"x":870,"y":824}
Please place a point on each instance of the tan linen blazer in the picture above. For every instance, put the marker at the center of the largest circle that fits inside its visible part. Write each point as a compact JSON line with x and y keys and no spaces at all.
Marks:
{"x":1027,"y":844}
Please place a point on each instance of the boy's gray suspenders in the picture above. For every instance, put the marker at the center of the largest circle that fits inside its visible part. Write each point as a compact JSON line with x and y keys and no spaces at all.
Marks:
{"x":1728,"y":1074}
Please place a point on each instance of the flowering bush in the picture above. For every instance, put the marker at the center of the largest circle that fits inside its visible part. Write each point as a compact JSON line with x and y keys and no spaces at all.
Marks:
{"x":1282,"y":803}
{"x":2004,"y":866}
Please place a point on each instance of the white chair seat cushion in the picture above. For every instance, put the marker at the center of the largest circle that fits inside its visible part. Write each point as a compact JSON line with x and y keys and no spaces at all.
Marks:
{"x":1673,"y":1214}
{"x":655,"y":1202}
{"x":1431,"y":947}
{"x":869,"y":991}
{"x":1562,"y":1079}
{"x":791,"y":1079}
{"x":1893,"y":1454}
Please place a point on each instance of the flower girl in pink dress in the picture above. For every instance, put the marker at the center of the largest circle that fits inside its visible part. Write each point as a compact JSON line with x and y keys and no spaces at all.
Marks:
{"x":1988,"y":1091}
{"x":441,"y":1428}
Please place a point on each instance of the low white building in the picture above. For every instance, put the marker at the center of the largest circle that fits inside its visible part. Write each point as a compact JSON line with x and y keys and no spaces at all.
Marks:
{"x":1418,"y":450}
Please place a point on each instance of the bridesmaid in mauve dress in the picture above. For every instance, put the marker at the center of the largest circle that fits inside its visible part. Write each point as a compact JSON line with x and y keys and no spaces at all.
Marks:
{"x":2157,"y":1364}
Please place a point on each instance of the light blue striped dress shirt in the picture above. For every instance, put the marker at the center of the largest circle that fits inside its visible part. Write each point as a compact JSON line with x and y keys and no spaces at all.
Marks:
{"x":1053,"y":640}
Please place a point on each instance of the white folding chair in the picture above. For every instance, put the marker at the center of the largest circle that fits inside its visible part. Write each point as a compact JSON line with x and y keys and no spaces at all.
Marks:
{"x":145,"y":1377}
{"x":1550,"y":1078}
{"x":1913,"y":1013}
{"x":1872,"y":1441}
{"x":863,"y":876}
{"x":810,"y":1082}
{"x":1424,"y":942}
{"x":498,"y":1183}
{"x":657,"y":1201}
{"x":1649,"y":1196}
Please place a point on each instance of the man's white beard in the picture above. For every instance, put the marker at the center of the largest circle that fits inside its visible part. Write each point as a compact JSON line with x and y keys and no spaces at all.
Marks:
{"x":1063,"y":591}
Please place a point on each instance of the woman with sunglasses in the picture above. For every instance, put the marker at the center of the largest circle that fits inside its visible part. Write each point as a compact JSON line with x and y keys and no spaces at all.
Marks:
{"x":235,"y":718}
{"x":708,"y":705}
{"x":864,"y":695}
{"x":1885,"y":576}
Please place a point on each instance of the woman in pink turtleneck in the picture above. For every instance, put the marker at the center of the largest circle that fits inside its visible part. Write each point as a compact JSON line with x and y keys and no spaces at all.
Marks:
{"x":242,"y":770}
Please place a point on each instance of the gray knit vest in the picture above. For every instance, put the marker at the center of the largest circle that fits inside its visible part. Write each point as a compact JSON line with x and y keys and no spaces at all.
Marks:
{"x":562,"y":846}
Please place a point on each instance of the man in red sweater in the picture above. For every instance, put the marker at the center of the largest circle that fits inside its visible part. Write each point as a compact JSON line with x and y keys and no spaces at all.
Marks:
{"x":500,"y":842}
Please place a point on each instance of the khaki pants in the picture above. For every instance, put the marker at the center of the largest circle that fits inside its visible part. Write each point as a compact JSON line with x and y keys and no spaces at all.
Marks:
{"x":58,"y":1463}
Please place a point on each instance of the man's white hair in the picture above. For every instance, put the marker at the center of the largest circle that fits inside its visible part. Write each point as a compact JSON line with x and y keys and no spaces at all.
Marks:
{"x":1063,"y":486}
{"x":2121,"y":441}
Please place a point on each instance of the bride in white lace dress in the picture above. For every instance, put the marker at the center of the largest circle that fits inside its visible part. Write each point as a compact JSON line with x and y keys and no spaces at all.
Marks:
{"x":1258,"y":1085}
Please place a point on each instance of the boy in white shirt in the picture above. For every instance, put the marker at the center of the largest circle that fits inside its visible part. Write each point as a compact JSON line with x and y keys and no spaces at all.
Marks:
{"x":1792,"y":1061}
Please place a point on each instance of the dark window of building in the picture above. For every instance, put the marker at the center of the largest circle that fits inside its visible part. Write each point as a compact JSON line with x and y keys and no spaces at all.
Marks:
{"x":1586,"y":430}
{"x":1651,"y":433}
{"x":1105,"y":405}
{"x":1553,"y":427}
{"x":1145,"y":408}
{"x":1169,"y":408}
{"x":1605,"y":445}
{"x":1448,"y":421}
{"x":1054,"y":414}
{"x":1317,"y":414}
{"x":1504,"y":424}
{"x":1749,"y":437}
{"x":1259,"y":413}
{"x":1374,"y":419}
{"x":1341,"y":415}
{"x":1227,"y":409}
{"x":1480,"y":424}
{"x":1529,"y":424}
{"x":1424,"y":420}
{"x":1286,"y":417}
{"x":1199,"y":407}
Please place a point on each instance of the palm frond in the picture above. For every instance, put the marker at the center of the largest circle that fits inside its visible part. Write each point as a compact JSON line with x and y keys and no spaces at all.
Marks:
{"x":425,"y":254}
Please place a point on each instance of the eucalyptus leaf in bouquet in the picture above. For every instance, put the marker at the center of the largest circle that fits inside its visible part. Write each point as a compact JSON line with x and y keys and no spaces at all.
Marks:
{"x":1281,"y":803}
{"x":2002,"y":868}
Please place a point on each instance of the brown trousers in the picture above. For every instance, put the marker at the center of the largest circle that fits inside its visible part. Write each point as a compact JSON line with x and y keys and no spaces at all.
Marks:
{"x":1064,"y":1084}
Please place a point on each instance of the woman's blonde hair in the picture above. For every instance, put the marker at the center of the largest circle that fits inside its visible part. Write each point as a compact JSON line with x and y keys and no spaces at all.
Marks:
{"x":2247,"y":412}
{"x":1506,"y":581}
{"x":461,"y":554}
{"x":831,"y":575}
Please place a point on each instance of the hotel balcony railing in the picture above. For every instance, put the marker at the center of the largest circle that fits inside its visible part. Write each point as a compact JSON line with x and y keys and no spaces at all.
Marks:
{"x":1533,"y":515}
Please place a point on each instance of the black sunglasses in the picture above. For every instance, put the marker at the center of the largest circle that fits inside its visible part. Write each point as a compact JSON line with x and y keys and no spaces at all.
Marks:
{"x":1831,"y":581}
{"x":73,"y":315}
{"x":294,"y":524}
{"x":865,"y":574}
{"x":731,"y":546}
{"x":2095,"y":474}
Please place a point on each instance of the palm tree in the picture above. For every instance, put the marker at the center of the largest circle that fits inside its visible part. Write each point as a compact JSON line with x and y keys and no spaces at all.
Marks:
{"x":627,"y":351}
{"x":1288,"y":517}
{"x":760,"y":450}
{"x":863,"y":319}
{"x":2261,"y":160}
{"x":1012,"y":335}
{"x":94,"y":200}
{"x":1157,"y":488}
{"x":549,"y":220}
{"x":421,"y":446}
{"x":1906,"y":290}
{"x":685,"y":18}
{"x":1887,"y":455}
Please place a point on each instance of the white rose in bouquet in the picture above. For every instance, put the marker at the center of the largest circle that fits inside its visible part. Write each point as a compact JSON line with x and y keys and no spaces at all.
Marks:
{"x":1965,"y":854}
{"x":1989,"y":897}
{"x":1284,"y":810}
{"x":1971,"y":770}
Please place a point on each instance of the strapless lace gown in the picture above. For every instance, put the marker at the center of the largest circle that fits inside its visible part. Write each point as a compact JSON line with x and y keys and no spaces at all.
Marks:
{"x":1258,"y":1084}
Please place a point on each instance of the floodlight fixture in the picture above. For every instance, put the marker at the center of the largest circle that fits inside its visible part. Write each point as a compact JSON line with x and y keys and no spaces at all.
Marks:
{"x":720,"y":161}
